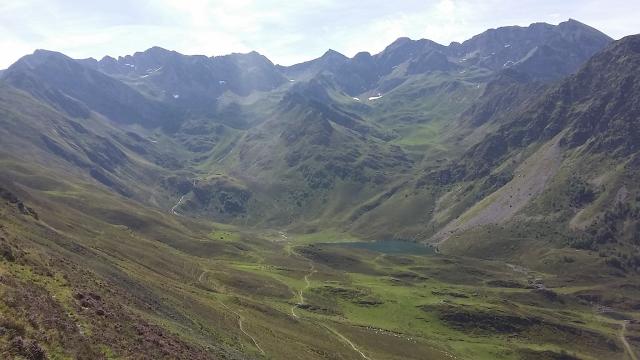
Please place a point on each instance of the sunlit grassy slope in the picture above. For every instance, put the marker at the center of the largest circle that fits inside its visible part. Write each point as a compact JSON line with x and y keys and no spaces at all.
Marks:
{"x":110,"y":278}
{"x":223,"y":236}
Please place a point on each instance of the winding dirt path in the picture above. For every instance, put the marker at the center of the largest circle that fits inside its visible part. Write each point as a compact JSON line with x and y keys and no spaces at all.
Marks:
{"x":173,"y":209}
{"x":238,"y":315}
{"x":225,"y":155}
{"x":623,"y":338}
{"x":240,"y":325}
{"x":202,"y":275}
{"x":312,"y":270}
{"x":344,"y":338}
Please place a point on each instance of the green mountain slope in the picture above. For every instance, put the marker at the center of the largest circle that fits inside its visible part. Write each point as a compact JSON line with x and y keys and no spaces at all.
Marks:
{"x":77,"y":90}
{"x":169,"y":206}
{"x":568,"y":160}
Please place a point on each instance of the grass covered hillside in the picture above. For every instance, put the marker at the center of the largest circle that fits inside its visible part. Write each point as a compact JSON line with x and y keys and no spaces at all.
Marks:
{"x":107,"y":278}
{"x":471,"y":201}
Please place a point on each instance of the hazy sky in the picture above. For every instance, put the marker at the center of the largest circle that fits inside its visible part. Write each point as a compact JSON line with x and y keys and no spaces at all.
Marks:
{"x":286,"y":31}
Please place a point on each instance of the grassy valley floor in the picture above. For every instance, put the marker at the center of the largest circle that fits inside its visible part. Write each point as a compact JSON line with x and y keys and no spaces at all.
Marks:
{"x":86,"y":274}
{"x":283,"y":296}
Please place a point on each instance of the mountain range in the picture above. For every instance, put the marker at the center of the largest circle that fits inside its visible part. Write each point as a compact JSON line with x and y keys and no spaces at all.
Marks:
{"x":164,"y":202}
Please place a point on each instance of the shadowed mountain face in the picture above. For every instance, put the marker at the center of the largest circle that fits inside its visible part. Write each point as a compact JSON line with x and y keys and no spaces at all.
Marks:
{"x":506,"y":93}
{"x":196,"y":207}
{"x":193,"y":83}
{"x":542,"y":51}
{"x":78,"y":90}
{"x":597,"y":108}
{"x":320,"y":127}
{"x":239,"y":73}
{"x":562,"y":161}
